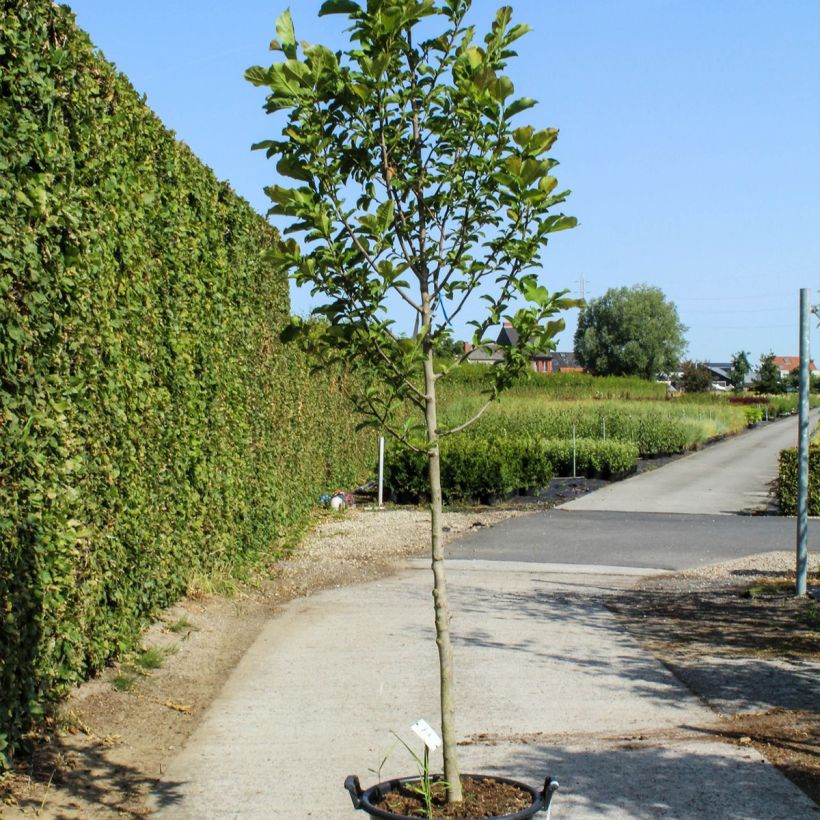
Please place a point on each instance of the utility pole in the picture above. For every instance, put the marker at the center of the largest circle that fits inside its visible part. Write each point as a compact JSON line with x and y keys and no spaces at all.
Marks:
{"x":803,"y":449}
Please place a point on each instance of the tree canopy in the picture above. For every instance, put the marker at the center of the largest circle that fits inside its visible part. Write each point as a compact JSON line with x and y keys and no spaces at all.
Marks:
{"x":413,"y":187}
{"x":630,"y":331}
{"x":696,"y":377}
{"x":740,"y":369}
{"x":768,"y":376}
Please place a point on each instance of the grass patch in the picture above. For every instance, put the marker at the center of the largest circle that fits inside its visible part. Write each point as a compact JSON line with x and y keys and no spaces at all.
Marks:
{"x":153,"y":657}
{"x":125,"y":681}
{"x":779,"y":587}
{"x":810,"y":616}
{"x":182,"y":624}
{"x":220,"y":583}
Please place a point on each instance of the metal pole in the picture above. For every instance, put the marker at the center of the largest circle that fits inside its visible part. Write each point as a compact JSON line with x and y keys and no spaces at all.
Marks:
{"x":573,"y":451}
{"x":803,"y":449}
{"x":381,"y":471}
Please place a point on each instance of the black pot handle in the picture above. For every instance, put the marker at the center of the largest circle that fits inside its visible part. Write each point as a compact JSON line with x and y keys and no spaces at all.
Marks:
{"x":550,"y":787}
{"x":354,"y":787}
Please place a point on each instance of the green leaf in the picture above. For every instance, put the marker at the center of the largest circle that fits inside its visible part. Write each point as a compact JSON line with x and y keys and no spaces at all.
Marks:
{"x":559,"y":223}
{"x":521,"y":136}
{"x":384,"y":215}
{"x":516,"y":32}
{"x":339,"y":7}
{"x":517,"y":106}
{"x":475,"y":56}
{"x":288,"y":167}
{"x":502,"y":88}
{"x":257,"y":75}
{"x":289,"y":80}
{"x":542,"y":141}
{"x":286,"y":34}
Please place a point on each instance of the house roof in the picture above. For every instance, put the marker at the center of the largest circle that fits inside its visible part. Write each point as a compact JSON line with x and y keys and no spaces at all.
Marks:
{"x":565,"y":361}
{"x":508,"y":335}
{"x":482,"y":354}
{"x":789,"y":363}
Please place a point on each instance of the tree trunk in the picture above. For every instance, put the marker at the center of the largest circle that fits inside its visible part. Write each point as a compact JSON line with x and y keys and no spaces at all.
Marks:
{"x":452,"y":773}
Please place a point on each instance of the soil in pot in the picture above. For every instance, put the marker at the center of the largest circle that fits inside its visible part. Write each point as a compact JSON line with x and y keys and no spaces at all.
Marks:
{"x":482,"y":798}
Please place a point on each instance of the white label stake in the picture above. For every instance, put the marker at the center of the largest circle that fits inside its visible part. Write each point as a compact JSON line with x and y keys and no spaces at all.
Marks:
{"x":427,"y":734}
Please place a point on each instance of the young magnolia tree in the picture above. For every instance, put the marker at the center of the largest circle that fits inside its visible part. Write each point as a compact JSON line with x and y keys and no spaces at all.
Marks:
{"x":415,"y":195}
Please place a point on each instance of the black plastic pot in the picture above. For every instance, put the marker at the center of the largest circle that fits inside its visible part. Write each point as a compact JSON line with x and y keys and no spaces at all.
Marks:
{"x":365,"y":800}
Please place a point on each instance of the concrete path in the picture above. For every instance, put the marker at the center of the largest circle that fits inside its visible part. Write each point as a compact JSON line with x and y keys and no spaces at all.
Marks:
{"x":548,"y":682}
{"x":729,"y":477}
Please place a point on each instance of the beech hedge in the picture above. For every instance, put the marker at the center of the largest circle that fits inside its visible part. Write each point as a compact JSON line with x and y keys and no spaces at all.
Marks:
{"x":787,"y":481}
{"x":151,"y":424}
{"x":482,"y":469}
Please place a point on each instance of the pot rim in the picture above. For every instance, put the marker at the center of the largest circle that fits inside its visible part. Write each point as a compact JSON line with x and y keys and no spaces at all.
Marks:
{"x":364,"y":798}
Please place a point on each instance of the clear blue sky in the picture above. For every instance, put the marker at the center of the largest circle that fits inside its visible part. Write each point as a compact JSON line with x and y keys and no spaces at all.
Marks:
{"x":690,"y":137}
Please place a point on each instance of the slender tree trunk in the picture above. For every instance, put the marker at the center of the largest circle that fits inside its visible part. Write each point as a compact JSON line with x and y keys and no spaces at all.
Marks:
{"x":452,"y":773}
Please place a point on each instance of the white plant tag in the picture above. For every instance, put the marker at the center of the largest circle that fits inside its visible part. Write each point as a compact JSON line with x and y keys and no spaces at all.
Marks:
{"x":427,"y":734}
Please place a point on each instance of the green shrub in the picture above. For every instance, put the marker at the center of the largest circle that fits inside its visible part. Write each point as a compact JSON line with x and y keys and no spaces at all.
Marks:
{"x":475,"y":468}
{"x":593,"y":457}
{"x":151,"y":425}
{"x":471,"y":469}
{"x":787,"y":481}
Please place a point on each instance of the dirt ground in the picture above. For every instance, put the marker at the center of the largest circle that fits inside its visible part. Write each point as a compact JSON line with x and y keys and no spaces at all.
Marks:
{"x":740,"y":639}
{"x":756,"y":660}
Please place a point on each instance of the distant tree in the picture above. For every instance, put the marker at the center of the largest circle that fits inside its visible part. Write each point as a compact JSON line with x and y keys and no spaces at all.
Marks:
{"x":768,"y":376}
{"x":449,"y":348}
{"x":740,"y":369}
{"x":632,"y":331}
{"x":696,"y":377}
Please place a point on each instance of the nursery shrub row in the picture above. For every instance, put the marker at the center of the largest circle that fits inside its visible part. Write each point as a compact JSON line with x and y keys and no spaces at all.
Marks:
{"x":560,"y":386}
{"x":656,"y":428}
{"x":787,"y":481}
{"x":150,"y":424}
{"x":474,"y":468}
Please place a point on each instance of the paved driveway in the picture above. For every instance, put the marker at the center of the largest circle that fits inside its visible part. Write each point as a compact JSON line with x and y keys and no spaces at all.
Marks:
{"x":725,"y":478}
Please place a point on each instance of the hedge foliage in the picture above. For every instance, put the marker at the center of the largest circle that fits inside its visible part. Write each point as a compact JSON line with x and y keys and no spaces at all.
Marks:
{"x":480,"y":469}
{"x":150,"y":424}
{"x":787,"y":481}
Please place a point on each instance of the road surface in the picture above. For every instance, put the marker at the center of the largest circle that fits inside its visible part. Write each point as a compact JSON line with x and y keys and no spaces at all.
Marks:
{"x":725,"y":478}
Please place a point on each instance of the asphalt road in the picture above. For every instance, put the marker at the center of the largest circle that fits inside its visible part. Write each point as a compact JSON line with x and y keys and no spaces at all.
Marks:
{"x":682,"y":515}
{"x":618,"y":539}
{"x":725,"y":478}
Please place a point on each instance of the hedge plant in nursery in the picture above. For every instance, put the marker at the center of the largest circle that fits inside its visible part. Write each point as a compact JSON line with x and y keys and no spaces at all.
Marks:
{"x":414,"y":191}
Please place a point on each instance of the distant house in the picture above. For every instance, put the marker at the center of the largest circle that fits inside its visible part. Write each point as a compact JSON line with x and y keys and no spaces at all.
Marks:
{"x":548,"y":362}
{"x":787,"y":364}
{"x":721,"y":376}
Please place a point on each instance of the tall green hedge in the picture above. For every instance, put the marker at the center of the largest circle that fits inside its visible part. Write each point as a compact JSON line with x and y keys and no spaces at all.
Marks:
{"x":787,"y":481}
{"x":150,"y":423}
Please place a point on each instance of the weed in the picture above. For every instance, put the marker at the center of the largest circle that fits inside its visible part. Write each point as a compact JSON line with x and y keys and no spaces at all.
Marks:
{"x":182,"y":625}
{"x":150,"y":658}
{"x":125,"y":681}
{"x":221,"y":582}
